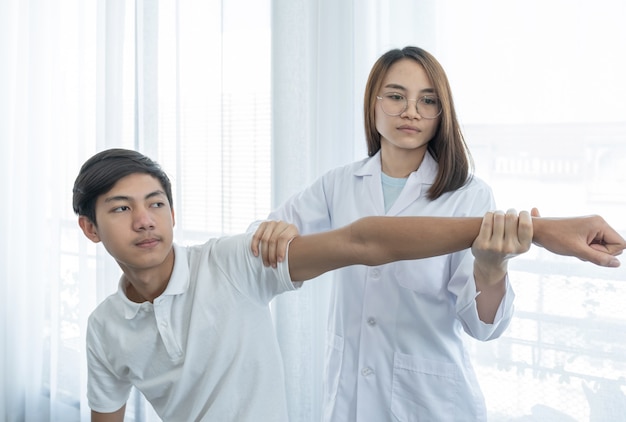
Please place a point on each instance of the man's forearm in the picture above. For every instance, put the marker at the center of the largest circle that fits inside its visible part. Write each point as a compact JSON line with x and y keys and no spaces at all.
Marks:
{"x":589,"y":238}
{"x":380,"y":240}
{"x":117,"y":416}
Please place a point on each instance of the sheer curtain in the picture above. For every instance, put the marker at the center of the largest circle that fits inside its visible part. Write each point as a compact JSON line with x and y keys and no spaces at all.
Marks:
{"x":47,"y":121}
{"x":538,"y":88}
{"x":187,"y":83}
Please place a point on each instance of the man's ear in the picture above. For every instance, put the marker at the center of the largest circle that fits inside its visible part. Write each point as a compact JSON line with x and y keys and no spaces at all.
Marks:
{"x":173,"y":219}
{"x":89,"y":228}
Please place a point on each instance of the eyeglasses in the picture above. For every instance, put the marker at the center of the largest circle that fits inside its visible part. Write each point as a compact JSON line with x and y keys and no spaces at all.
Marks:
{"x":394,"y":104}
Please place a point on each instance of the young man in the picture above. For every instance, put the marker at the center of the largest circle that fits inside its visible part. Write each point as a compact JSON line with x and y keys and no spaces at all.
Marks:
{"x":190,"y":327}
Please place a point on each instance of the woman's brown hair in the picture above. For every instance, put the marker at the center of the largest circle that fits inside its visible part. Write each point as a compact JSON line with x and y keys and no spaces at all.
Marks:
{"x":448,"y":146}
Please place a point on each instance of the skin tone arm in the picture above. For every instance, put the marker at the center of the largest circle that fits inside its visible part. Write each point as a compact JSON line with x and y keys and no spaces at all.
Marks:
{"x":497,"y":239}
{"x":380,"y":240}
{"x":109,"y":417}
{"x":588,"y":238}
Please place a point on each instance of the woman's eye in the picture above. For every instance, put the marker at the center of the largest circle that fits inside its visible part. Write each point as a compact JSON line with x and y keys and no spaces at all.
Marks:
{"x":430,"y":100}
{"x":396,"y":97}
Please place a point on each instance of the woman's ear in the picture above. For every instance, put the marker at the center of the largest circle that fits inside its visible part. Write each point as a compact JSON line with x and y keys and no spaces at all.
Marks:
{"x":89,"y":228}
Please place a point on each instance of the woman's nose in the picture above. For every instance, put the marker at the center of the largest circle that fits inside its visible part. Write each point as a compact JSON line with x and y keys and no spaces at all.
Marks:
{"x":411,"y":110}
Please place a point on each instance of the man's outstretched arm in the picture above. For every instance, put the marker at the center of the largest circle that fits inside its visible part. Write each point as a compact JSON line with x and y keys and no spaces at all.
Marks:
{"x":379,"y":240}
{"x":589,"y":238}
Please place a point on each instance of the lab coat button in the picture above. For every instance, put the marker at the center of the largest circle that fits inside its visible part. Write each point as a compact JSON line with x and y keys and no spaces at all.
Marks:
{"x":366,"y":371}
{"x":371,"y":321}
{"x":375,"y":273}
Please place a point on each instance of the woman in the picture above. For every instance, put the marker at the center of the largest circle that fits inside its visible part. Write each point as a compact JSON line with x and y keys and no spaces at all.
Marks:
{"x":395,"y":336}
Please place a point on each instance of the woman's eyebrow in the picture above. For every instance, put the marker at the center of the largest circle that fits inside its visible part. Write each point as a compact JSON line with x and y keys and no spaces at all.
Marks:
{"x":402,"y":88}
{"x":395,"y":86}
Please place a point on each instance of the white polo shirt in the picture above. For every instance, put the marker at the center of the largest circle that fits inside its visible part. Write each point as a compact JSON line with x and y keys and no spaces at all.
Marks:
{"x":205,"y":350}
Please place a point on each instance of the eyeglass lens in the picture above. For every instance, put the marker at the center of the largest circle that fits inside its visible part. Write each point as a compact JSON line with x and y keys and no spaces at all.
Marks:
{"x":393,"y":104}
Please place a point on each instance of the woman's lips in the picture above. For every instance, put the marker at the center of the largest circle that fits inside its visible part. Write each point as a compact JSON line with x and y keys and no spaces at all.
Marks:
{"x":408,"y":128}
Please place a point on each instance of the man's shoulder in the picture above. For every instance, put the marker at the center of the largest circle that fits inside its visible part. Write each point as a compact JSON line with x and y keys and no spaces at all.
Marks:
{"x":107,"y":312}
{"x":216,"y":246}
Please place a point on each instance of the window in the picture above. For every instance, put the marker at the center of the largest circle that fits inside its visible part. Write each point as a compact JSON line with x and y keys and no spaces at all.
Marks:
{"x":537,"y":89}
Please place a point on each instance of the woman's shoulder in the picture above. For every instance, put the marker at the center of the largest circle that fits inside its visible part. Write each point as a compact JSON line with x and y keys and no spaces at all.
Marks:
{"x":365,"y":165}
{"x":475,"y":182}
{"x":475,"y":186}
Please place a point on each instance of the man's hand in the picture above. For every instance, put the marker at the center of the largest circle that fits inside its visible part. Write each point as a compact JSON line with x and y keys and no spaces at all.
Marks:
{"x":272,"y":238}
{"x":588,"y":238}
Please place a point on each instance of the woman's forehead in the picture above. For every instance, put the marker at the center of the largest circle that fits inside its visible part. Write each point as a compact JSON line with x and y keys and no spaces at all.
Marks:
{"x":407,"y":74}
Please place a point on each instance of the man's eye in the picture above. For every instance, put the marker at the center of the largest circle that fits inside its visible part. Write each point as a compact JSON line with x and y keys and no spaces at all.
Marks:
{"x":121,"y":208}
{"x":158,"y":205}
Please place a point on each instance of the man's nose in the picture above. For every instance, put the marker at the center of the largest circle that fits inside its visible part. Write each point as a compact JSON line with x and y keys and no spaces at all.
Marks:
{"x":143,"y":219}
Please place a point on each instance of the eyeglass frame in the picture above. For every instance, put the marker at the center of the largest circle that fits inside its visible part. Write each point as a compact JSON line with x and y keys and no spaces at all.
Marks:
{"x":406,"y":105}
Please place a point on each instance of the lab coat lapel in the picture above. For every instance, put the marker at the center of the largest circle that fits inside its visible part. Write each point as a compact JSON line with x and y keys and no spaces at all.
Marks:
{"x":370,"y":173}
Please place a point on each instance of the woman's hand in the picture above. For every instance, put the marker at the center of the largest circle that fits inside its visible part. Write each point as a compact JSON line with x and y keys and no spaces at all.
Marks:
{"x":271,"y":240}
{"x":502,"y":236}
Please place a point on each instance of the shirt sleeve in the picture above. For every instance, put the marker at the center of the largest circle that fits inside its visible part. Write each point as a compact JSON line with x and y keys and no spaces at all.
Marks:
{"x":106,"y":392}
{"x":246,"y":272}
{"x":463,"y":285}
{"x":467,"y":312}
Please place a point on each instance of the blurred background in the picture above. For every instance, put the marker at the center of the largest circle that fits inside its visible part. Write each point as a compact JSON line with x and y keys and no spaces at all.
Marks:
{"x":245,"y":102}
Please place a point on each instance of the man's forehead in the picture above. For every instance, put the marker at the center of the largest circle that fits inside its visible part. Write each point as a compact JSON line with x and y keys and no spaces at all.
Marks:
{"x":135,"y":186}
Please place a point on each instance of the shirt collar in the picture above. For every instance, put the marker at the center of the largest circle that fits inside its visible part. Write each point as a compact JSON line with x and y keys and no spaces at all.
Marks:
{"x":177,"y":284}
{"x":426,"y":172}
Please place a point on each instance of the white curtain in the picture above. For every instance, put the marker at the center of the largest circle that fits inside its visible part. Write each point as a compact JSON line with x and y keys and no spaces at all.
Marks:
{"x":245,"y":102}
{"x":186,"y":82}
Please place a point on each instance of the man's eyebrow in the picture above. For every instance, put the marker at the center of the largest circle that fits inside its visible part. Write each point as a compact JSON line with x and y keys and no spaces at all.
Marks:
{"x":128,"y":198}
{"x":155,"y":193}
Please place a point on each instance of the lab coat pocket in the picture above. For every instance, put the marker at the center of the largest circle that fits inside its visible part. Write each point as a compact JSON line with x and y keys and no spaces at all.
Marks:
{"x":425,"y":276}
{"x":332,"y":369}
{"x":424,"y":390}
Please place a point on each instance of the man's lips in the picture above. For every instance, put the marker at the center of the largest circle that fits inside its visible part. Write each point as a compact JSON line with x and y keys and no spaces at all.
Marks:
{"x":147,"y":243}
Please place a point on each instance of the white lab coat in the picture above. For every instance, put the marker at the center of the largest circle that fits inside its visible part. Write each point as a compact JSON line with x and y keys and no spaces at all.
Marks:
{"x":394,"y":348}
